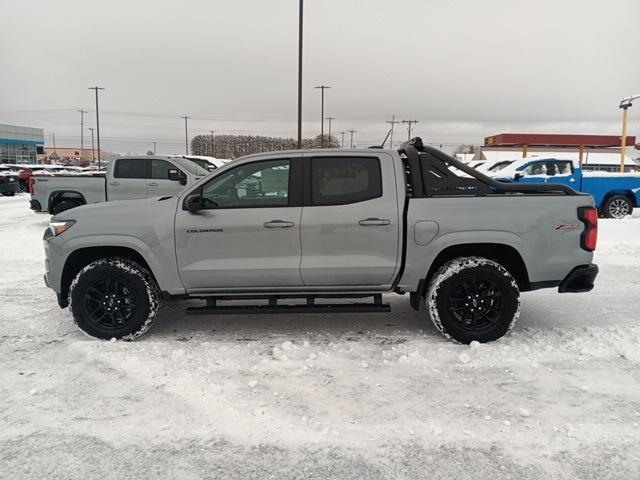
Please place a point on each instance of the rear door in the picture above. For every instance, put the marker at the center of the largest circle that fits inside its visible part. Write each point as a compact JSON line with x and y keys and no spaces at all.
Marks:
{"x":159,"y":183}
{"x":350,"y":220}
{"x":128,"y":180}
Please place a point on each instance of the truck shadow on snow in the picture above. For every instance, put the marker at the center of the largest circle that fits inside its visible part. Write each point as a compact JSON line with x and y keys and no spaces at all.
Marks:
{"x":172,"y":321}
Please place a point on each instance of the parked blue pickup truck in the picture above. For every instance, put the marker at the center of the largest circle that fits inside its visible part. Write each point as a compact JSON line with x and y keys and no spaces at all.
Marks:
{"x":615,"y":194}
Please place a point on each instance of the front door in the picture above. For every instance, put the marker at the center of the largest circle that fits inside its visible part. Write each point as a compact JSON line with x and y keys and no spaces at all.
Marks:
{"x":159,"y":183}
{"x":248,"y":231}
{"x":550,"y":171}
{"x":350,"y":221}
{"x":129,"y":179}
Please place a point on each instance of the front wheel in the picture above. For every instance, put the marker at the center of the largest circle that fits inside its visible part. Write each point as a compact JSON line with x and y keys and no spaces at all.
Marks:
{"x":473,"y":298}
{"x":65,"y":204}
{"x":114,"y":298}
{"x":617,"y":206}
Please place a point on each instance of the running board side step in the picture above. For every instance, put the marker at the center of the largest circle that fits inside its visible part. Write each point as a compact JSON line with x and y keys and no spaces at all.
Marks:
{"x":212,"y":307}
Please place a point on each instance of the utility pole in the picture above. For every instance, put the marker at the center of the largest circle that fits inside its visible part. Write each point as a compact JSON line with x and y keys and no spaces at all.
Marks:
{"x":322,"y":89}
{"x":82,"y":112}
{"x":352,"y":132}
{"x":409,"y":123}
{"x":330,"y":119}
{"x":154,"y":148}
{"x":300,"y":24}
{"x":186,"y":135}
{"x":393,"y":122}
{"x":97,"y":120}
{"x":213,"y":145}
{"x":342,"y":141}
{"x":93,"y":150}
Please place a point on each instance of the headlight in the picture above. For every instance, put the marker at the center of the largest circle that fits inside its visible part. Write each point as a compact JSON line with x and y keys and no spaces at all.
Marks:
{"x":57,"y":228}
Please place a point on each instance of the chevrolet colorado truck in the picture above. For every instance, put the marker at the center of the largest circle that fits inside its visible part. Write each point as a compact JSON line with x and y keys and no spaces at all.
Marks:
{"x":302,"y":228}
{"x":125,"y":178}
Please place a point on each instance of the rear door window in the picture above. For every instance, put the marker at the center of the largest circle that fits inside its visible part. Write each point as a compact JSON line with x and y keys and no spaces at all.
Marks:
{"x":343,"y":180}
{"x":131,"y":168}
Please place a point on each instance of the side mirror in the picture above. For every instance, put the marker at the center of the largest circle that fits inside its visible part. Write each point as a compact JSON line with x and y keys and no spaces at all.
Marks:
{"x":176,"y":175}
{"x":193,"y":202}
{"x":518,"y":176}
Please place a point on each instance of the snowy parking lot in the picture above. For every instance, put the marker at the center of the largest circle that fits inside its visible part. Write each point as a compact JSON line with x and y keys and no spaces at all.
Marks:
{"x":321,"y":396}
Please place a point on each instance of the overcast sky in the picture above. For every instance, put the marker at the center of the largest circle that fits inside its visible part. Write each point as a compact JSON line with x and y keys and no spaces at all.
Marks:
{"x":463,"y":69}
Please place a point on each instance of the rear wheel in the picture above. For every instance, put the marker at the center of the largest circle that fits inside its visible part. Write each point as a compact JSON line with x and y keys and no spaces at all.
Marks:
{"x":473,"y":298}
{"x":617,"y":206}
{"x":65,"y":204}
{"x":114,"y":298}
{"x":9,"y":194}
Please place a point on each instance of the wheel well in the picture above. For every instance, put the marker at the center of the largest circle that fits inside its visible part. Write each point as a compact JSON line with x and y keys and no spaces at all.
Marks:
{"x":84,"y":256}
{"x":56,"y":197}
{"x":625,"y":193}
{"x":505,"y":255}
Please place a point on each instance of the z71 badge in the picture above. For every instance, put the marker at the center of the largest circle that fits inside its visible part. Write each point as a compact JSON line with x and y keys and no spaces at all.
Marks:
{"x":561,"y":227}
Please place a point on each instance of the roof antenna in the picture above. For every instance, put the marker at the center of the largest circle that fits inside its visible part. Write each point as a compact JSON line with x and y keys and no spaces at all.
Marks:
{"x":383,"y":141}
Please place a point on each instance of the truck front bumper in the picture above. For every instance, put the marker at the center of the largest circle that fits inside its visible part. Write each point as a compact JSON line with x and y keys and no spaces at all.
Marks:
{"x":580,"y":279}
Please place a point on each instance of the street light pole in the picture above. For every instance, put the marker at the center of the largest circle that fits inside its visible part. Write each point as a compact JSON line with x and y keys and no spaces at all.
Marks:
{"x":96,"y":88}
{"x":625,"y":103}
{"x":213,"y":148}
{"x":342,"y":141}
{"x":154,"y":148}
{"x":82,"y":112}
{"x":300,"y":24}
{"x":93,"y":150}
{"x":186,"y":135}
{"x":322,"y":89}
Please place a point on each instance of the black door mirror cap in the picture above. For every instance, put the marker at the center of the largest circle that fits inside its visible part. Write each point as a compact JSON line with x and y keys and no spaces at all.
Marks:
{"x":193,"y":203}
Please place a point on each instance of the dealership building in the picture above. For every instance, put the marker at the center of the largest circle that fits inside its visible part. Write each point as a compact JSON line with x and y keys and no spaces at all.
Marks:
{"x":20,"y":144}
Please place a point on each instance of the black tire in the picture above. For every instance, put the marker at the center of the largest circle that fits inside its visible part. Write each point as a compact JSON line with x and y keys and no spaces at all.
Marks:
{"x":114,"y":298}
{"x":617,"y":206}
{"x":65,"y":204}
{"x":473,"y":298}
{"x":9,"y":194}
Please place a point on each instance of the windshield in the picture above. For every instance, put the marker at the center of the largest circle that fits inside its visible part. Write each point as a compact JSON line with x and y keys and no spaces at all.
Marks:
{"x":500,"y":165}
{"x":191,"y":167}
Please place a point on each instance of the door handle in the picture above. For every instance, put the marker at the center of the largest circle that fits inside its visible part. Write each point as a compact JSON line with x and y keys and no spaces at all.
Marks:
{"x":114,"y":184}
{"x":152,"y":184}
{"x":278,"y":224}
{"x":374,"y":222}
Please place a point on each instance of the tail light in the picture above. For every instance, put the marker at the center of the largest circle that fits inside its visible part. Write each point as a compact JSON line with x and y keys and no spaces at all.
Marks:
{"x":589,"y":237}
{"x":32,"y":182}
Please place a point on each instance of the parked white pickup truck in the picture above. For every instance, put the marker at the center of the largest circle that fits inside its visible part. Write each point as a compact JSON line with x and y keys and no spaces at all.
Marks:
{"x":125,"y":179}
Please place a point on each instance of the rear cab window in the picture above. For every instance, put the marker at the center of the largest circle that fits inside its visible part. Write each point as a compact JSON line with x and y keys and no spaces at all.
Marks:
{"x":344,"y":180}
{"x":130,"y":168}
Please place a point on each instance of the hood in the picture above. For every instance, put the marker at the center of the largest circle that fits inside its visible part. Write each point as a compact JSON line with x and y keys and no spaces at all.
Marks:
{"x":121,"y":209}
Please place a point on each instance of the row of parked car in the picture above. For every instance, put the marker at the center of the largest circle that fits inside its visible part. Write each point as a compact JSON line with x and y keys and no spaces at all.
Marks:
{"x":615,"y":194}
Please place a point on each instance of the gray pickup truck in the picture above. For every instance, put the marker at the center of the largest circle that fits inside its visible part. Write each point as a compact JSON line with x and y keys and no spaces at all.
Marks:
{"x":125,"y":179}
{"x":298,"y":228}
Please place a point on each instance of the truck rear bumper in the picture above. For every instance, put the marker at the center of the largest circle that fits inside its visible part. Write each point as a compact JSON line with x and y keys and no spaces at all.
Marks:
{"x":580,"y":279}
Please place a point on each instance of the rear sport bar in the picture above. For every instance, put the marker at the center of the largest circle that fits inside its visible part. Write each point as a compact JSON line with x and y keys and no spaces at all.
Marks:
{"x":414,"y":147}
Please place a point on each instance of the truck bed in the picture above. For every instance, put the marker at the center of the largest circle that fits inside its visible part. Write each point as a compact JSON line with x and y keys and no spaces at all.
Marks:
{"x":43,"y":187}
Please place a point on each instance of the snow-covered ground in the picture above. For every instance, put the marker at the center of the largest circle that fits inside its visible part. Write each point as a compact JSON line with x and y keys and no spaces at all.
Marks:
{"x":315,"y":396}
